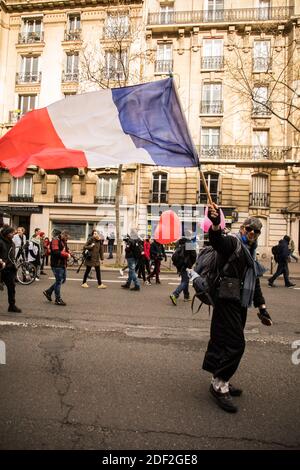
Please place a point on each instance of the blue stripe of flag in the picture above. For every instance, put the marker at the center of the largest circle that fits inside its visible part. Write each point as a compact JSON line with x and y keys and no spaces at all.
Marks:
{"x":151,"y":114}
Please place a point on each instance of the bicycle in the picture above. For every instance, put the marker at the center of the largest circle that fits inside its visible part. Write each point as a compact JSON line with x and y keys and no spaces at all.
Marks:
{"x":25,"y":271}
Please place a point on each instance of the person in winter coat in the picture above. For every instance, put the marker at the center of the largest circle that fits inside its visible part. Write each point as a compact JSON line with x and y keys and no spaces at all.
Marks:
{"x":19,"y":240}
{"x":235,"y":291}
{"x":157,"y":254}
{"x":8,"y":268}
{"x":188,"y":260}
{"x":132,"y":255}
{"x":94,"y":252}
{"x":282,"y":267}
{"x":59,"y":256}
{"x":144,"y":263}
{"x":34,"y":254}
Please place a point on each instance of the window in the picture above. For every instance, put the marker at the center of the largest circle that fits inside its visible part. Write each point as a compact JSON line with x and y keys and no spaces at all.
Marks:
{"x":260,"y":95}
{"x":29,"y":69}
{"x":64,"y":189}
{"x":264,"y":9}
{"x":212,"y":181}
{"x":22,"y":187}
{"x":166,"y":14}
{"x":77,"y":230}
{"x":260,"y":144}
{"x":159,"y":187}
{"x":72,"y":72}
{"x":26,"y":103}
{"x":262,"y":58}
{"x":212,"y":54}
{"x":31,"y":30}
{"x":73,"y":31}
{"x":106,"y":189}
{"x":164,"y":58}
{"x":210,"y":141}
{"x":259,"y":192}
{"x":117,"y":25}
{"x":212,"y":98}
{"x":214,"y":10}
{"x":116,"y":65}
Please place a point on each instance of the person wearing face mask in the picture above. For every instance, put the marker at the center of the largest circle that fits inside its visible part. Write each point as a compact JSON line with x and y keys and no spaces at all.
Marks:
{"x":94,"y":250}
{"x":235,"y":292}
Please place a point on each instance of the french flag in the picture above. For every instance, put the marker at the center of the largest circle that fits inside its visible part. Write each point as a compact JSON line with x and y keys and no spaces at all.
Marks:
{"x":135,"y":124}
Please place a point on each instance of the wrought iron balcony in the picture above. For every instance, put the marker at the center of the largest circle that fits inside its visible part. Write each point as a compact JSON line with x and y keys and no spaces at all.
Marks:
{"x":259,"y":199}
{"x":70,"y":76}
{"x":244,"y":152}
{"x":203,"y":198}
{"x":30,"y":38}
{"x":20,"y":198}
{"x":262,"y":64}
{"x":212,"y":63}
{"x":114,"y":74}
{"x":211,"y":107}
{"x":66,"y":199}
{"x":74,"y":35}
{"x":28,"y":77}
{"x":116,"y":32}
{"x":259,"y":109}
{"x":163,"y":66}
{"x":104,"y":200}
{"x":217,"y":16}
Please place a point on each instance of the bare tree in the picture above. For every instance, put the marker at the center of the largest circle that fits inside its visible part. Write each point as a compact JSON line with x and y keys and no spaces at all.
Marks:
{"x":275,"y":88}
{"x":117,"y":59}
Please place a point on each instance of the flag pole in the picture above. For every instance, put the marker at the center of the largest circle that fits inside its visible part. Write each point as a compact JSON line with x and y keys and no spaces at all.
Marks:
{"x":210,"y":201}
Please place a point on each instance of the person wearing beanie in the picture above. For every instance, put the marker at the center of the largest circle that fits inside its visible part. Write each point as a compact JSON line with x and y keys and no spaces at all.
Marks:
{"x":237,"y":287}
{"x":8,"y":273}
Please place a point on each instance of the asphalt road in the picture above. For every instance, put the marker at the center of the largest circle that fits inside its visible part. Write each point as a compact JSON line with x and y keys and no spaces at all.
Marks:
{"x":122,"y":370}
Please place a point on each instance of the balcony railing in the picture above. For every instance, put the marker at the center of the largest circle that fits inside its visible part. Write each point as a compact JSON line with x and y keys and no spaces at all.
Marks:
{"x":161,"y":198}
{"x":244,"y":152}
{"x":30,"y":38}
{"x":203,"y":198}
{"x":262,"y":64}
{"x":65,"y":199}
{"x":259,"y":109}
{"x":259,"y":199}
{"x":212,"y":63}
{"x":73,"y":35}
{"x":104,"y":200}
{"x":116,"y":32}
{"x":114,"y":74}
{"x":163,"y":66}
{"x":70,"y":76}
{"x":20,"y":198}
{"x":28,"y":77}
{"x":211,"y":107}
{"x":216,"y":16}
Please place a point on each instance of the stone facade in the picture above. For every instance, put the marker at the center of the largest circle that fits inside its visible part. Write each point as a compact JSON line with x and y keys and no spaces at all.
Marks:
{"x":219,"y":53}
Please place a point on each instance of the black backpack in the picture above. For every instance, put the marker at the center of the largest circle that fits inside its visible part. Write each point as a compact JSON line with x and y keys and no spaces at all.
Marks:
{"x":178,"y":257}
{"x":207,"y":268}
{"x":275,"y":250}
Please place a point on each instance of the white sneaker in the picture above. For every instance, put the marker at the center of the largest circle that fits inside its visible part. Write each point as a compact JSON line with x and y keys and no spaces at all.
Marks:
{"x":84,"y":285}
{"x":102,"y":286}
{"x":37,"y":279}
{"x":121,"y":272}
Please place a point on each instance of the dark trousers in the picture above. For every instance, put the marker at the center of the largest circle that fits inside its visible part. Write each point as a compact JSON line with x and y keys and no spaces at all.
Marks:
{"x":156,"y":270}
{"x":87,"y":272}
{"x":282,"y":268}
{"x":110,"y":250}
{"x":60,"y":278}
{"x":8,"y":277}
{"x":143,"y":266}
{"x":227,"y":342}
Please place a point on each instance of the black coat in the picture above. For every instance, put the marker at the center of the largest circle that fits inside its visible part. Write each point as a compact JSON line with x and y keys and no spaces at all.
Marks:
{"x":7,"y":253}
{"x":283,"y":251}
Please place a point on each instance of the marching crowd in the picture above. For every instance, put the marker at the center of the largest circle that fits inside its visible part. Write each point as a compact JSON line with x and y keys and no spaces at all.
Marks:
{"x":235,"y":287}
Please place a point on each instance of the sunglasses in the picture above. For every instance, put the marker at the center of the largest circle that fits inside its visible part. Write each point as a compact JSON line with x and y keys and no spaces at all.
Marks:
{"x":251,"y":229}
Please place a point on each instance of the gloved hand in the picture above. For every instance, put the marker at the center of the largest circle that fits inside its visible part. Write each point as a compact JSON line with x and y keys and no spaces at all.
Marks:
{"x":264,"y":317}
{"x":191,"y":274}
{"x":214,"y":214}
